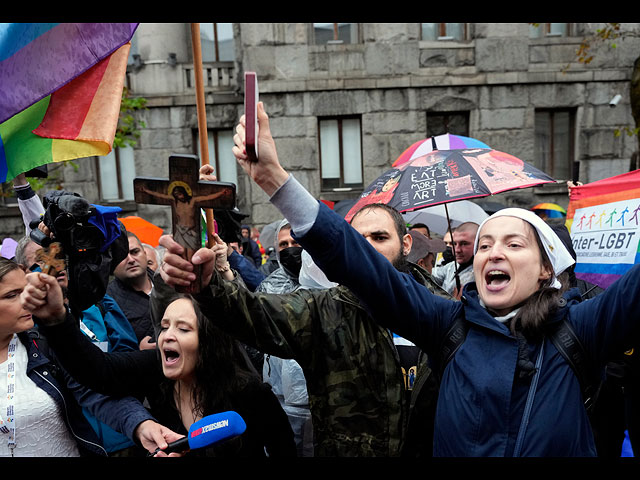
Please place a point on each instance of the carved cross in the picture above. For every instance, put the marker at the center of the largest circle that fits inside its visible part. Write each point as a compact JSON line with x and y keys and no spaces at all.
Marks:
{"x":51,"y":258}
{"x":186,"y":195}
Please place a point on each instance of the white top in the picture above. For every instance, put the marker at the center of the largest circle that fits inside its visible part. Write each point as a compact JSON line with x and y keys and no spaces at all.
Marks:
{"x":40,"y":429}
{"x":445,"y":276}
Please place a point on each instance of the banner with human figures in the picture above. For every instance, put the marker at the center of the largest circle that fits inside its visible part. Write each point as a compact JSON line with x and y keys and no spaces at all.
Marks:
{"x":603,"y":219}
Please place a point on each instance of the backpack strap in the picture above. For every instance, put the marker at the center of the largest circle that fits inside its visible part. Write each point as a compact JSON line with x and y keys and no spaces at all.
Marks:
{"x":563,"y":337}
{"x":451,"y":342}
{"x":568,"y":344}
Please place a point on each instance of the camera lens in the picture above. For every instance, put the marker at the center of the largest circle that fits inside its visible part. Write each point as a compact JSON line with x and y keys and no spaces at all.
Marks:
{"x":64,"y":222}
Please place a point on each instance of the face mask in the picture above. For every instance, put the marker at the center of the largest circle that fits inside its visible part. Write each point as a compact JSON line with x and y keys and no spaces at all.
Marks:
{"x":291,"y":260}
{"x":448,"y":255}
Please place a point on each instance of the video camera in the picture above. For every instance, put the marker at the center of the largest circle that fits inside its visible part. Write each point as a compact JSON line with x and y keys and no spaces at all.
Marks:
{"x":67,"y":217}
{"x":92,"y":238}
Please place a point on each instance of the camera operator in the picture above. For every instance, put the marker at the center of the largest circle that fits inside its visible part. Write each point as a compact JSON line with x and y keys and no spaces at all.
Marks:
{"x":103,"y":322}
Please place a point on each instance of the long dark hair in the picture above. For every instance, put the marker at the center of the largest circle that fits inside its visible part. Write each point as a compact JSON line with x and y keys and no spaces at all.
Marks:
{"x":223,"y":366}
{"x":536,"y":310}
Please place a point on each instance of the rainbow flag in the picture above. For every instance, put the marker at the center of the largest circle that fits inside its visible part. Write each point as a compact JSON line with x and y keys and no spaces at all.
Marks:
{"x":36,"y":59}
{"x":603,"y":219}
{"x":63,"y":92}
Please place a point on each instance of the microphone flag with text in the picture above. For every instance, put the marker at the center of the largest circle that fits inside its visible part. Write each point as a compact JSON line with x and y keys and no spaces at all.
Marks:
{"x":208,"y":431}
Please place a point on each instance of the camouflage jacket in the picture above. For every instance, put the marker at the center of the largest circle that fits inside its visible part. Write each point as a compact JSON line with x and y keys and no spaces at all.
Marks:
{"x":357,"y":396}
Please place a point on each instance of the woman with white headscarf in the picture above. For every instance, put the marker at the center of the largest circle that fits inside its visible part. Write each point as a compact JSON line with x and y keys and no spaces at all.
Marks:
{"x":507,"y":391}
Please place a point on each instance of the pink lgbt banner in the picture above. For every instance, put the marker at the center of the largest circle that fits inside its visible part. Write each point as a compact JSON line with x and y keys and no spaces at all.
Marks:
{"x":603,"y":219}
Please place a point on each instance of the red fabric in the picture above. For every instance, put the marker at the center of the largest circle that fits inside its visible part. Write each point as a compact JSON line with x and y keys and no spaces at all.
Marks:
{"x":625,"y":181}
{"x":66,"y":122}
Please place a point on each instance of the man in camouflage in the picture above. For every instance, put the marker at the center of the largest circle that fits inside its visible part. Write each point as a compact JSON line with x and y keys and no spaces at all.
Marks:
{"x":359,"y":402}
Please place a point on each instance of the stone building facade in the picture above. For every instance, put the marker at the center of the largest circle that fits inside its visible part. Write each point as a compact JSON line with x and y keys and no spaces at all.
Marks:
{"x":344,"y":102}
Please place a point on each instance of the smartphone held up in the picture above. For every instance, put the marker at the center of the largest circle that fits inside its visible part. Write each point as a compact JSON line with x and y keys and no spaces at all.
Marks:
{"x":251,"y":114}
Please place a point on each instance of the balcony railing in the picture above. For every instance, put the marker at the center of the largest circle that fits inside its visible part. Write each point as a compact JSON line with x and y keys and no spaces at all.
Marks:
{"x":216,"y":76}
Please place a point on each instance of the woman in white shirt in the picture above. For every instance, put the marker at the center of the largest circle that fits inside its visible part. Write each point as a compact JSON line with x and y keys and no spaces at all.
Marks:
{"x":40,"y":404}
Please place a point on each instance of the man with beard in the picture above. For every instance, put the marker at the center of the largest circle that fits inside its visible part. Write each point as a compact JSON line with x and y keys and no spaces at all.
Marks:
{"x":463,"y":239}
{"x":360,"y":403}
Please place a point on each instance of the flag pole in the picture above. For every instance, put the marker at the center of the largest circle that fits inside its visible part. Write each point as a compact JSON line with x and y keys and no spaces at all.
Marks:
{"x":202,"y":116}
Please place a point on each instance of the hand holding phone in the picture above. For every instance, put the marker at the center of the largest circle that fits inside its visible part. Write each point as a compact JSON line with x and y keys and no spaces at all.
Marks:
{"x":251,"y":114}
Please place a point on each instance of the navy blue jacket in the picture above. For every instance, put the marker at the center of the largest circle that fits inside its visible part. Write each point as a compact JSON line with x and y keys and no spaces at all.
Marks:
{"x":481,"y":400}
{"x":123,"y":414}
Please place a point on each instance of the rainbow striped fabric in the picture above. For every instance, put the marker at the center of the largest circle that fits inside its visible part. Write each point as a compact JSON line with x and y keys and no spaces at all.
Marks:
{"x":603,"y":219}
{"x":63,"y":91}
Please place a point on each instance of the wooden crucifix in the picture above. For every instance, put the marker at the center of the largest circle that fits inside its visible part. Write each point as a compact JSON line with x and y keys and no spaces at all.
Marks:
{"x":52,"y":259}
{"x":186,"y":195}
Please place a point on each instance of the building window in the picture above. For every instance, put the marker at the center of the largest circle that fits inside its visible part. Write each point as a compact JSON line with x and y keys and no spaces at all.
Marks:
{"x":324,"y":33}
{"x":439,"y":123}
{"x":217,"y":42}
{"x":541,"y":30}
{"x":116,"y":172}
{"x":444,"y":31}
{"x":220,"y":155}
{"x":340,"y":152}
{"x":554,"y":142}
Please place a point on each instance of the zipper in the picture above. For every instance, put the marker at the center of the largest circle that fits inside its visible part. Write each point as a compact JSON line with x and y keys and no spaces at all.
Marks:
{"x":66,"y":414}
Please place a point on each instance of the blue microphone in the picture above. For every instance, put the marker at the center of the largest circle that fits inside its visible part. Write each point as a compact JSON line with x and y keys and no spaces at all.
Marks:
{"x":207,"y":431}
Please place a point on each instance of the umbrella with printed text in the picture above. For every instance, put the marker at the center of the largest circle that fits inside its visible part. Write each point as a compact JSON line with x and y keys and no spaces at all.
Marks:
{"x":446,"y":141}
{"x":146,"y":231}
{"x":444,"y":176}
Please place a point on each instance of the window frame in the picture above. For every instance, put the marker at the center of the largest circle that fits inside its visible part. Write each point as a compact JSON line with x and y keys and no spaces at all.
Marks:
{"x":465,"y":113}
{"x":546,"y":31}
{"x":216,"y":43}
{"x":342,"y":186}
{"x":571,"y":161}
{"x":216,"y":148}
{"x":442,"y":33}
{"x":354,"y":36}
{"x":116,"y":152}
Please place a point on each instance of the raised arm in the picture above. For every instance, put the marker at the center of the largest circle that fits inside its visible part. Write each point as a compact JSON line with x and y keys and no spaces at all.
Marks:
{"x":608,"y":323}
{"x":394,"y":299}
{"x":117,"y":373}
{"x":29,"y":203}
{"x":275,"y":324}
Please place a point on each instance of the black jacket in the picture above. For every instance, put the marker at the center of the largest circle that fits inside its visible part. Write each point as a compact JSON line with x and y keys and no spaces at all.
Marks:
{"x":134,"y":305}
{"x":139,"y":373}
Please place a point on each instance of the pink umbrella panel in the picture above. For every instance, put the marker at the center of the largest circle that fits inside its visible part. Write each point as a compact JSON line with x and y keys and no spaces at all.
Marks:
{"x":446,"y":141}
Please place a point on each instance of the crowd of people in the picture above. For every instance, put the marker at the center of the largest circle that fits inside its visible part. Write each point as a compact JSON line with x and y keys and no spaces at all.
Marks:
{"x":367,"y":338}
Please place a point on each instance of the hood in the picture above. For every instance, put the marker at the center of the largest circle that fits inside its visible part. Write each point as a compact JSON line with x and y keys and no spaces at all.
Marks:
{"x":275,"y":239}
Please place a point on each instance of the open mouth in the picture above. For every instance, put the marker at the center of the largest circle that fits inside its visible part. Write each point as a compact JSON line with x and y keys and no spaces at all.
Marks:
{"x":497,"y":279}
{"x":170,"y":356}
